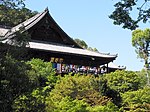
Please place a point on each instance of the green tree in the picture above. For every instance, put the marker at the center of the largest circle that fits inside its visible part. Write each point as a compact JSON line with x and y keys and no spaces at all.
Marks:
{"x":122,"y":15}
{"x":109,"y":107}
{"x":81,"y":43}
{"x":14,"y":81}
{"x":42,"y":72}
{"x":12,"y":3}
{"x":137,"y":101}
{"x":95,"y":50}
{"x":32,"y":101}
{"x":90,"y":48}
{"x":12,"y":12}
{"x":15,"y":8}
{"x":79,"y":87}
{"x":123,"y":81}
{"x":141,"y":41}
{"x":84,"y":45}
{"x":92,"y":91}
{"x":67,"y":104}
{"x":43,"y":78}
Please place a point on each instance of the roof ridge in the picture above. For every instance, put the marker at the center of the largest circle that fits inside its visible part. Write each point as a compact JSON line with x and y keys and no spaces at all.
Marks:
{"x":25,"y":24}
{"x":38,"y":15}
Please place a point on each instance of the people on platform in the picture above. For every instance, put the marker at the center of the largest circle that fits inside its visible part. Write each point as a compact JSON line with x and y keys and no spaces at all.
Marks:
{"x":66,"y":68}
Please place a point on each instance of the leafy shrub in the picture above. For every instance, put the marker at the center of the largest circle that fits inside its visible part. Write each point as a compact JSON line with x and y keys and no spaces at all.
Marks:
{"x":67,"y":104}
{"x":43,"y":76}
{"x":31,"y":102}
{"x":137,"y":100}
{"x":109,"y":107}
{"x":42,"y":73}
{"x":14,"y":81}
{"x":123,"y":81}
{"x":79,"y":87}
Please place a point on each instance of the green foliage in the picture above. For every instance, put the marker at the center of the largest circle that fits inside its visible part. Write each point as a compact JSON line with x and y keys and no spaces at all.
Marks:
{"x":14,"y":81}
{"x":144,"y":75}
{"x":84,"y":45}
{"x":92,"y":49}
{"x":79,"y":87}
{"x":122,"y":15}
{"x":15,"y":8}
{"x":109,"y":107}
{"x":12,"y":3}
{"x":95,"y":50}
{"x":123,"y":81}
{"x":33,"y":86}
{"x":81,"y":43}
{"x":67,"y":104}
{"x":43,"y":77}
{"x":141,"y":41}
{"x":31,"y":102}
{"x":105,"y":90}
{"x":138,"y":101}
{"x":42,"y":72}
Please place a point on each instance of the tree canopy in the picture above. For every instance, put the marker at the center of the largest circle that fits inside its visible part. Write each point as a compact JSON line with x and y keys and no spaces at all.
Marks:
{"x":122,"y":15}
{"x":15,"y":8}
{"x":84,"y":45}
{"x":81,"y":43}
{"x":141,"y":41}
{"x":13,"y":3}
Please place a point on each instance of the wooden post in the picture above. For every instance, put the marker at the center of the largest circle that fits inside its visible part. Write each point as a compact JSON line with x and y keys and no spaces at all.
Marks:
{"x":107,"y":68}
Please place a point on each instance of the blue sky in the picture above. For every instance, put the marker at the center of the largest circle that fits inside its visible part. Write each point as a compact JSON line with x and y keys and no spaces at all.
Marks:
{"x":88,"y":21}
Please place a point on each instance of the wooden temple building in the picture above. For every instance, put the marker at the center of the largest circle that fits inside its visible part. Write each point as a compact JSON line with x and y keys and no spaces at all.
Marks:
{"x":50,"y":43}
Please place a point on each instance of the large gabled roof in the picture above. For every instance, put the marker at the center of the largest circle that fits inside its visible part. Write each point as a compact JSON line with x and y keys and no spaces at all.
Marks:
{"x":68,"y":46}
{"x":28,"y":24}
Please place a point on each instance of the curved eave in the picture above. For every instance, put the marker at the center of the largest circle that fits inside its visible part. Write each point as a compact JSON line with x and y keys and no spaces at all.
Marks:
{"x":111,"y":65}
{"x":69,"y":50}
